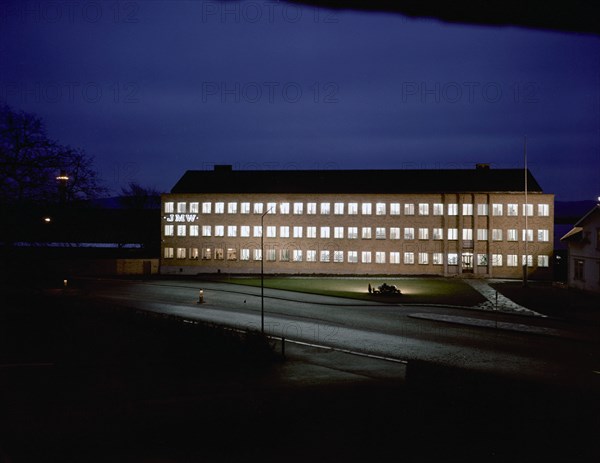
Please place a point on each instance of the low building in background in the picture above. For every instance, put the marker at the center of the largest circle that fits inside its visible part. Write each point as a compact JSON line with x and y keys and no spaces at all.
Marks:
{"x":583,"y":242}
{"x":472,"y":222}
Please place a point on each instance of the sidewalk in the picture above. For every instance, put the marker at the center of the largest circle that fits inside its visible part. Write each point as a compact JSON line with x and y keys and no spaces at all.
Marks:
{"x":497,"y":301}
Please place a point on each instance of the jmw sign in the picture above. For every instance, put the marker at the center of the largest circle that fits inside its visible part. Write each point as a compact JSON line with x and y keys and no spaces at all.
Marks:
{"x":181,"y":217}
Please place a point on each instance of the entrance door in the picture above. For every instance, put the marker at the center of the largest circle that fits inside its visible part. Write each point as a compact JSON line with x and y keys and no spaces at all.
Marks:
{"x":467,"y":262}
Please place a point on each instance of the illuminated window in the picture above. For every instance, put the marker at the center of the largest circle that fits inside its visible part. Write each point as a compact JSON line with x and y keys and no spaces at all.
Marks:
{"x":512,"y":210}
{"x":438,"y":209}
{"x":231,"y":254}
{"x":365,"y":257}
{"x":578,"y":269}
{"x":511,"y":260}
{"x":423,"y":233}
{"x":409,"y":233}
{"x":181,"y":230}
{"x":366,"y":233}
{"x":207,"y":253}
{"x":194,"y":230}
{"x":311,"y":232}
{"x":284,"y":255}
{"x":297,"y":255}
{"x":181,"y":253}
{"x":338,"y":232}
{"x":394,"y":208}
{"x":497,"y":209}
{"x":271,"y":231}
{"x":219,"y":255}
{"x":257,"y":233}
{"x":194,"y":254}
{"x":338,"y":256}
{"x":245,"y":231}
{"x":272,"y":208}
{"x":482,"y":234}
{"x":423,"y":209}
{"x":482,"y":209}
{"x":497,"y":260}
{"x":258,"y":208}
{"x":380,"y":257}
{"x":528,"y":210}
{"x":338,"y":208}
{"x":380,"y":233}
{"x":497,"y":234}
{"x":206,"y":230}
{"x":194,"y":208}
{"x":380,"y":208}
{"x":543,"y":210}
{"x":512,"y":234}
{"x":482,"y":259}
{"x":219,"y":208}
{"x":219,"y":230}
{"x":284,"y":231}
{"x":298,"y":208}
{"x":394,"y":257}
{"x":325,"y":208}
{"x":543,"y":235}
{"x":438,"y":233}
{"x":409,"y":209}
{"x":311,"y":208}
{"x":467,"y":209}
{"x":245,"y":254}
{"x":453,"y":209}
{"x":409,"y":258}
{"x":258,"y":254}
{"x":352,"y":257}
{"x":181,"y":208}
{"x":423,"y":258}
{"x":452,"y":258}
{"x":352,"y":233}
{"x":453,"y":234}
{"x":169,"y":230}
{"x":297,"y":232}
{"x":437,"y":258}
{"x":394,"y":233}
{"x":324,"y":255}
{"x":245,"y":208}
{"x":169,"y":207}
{"x":168,"y":253}
{"x":271,"y":255}
{"x":325,"y":232}
{"x":232,"y":208}
{"x":232,"y":231}
{"x":311,"y":256}
{"x":529,"y":259}
{"x":366,"y":208}
{"x":284,"y":208}
{"x":467,"y":234}
{"x":527,"y":235}
{"x":543,"y":261}
{"x":352,"y":208}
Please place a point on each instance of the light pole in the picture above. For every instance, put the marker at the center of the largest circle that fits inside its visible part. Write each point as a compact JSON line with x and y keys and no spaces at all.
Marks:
{"x":262,"y":274}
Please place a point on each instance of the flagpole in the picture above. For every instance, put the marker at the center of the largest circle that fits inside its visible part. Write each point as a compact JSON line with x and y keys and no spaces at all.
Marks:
{"x":525,"y":211}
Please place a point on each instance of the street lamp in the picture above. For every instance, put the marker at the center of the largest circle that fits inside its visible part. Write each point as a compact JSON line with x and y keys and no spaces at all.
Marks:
{"x":262,"y":274}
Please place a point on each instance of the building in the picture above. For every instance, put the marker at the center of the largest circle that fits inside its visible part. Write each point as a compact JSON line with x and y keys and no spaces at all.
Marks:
{"x":583,"y":242}
{"x":357,"y":222}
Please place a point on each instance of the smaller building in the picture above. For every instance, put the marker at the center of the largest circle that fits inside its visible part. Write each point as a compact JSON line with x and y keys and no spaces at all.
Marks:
{"x":583,"y":242}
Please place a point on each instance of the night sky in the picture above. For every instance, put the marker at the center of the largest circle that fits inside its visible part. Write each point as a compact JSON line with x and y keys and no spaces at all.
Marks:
{"x":154,"y":88}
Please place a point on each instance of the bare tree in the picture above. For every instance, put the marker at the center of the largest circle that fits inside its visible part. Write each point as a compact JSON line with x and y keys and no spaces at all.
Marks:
{"x":134,"y":196}
{"x":30,"y":162}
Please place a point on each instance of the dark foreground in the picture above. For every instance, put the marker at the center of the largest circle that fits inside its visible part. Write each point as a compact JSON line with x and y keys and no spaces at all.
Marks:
{"x":82,"y":382}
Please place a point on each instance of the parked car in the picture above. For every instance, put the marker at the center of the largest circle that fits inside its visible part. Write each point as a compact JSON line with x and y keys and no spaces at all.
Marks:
{"x":386,"y":289}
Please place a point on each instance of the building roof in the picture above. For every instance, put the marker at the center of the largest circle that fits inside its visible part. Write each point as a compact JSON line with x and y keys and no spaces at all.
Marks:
{"x":576,"y":232}
{"x":223,"y":179}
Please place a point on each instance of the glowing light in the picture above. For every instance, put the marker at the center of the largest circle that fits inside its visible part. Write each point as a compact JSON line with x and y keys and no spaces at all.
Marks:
{"x":47,"y":219}
{"x":62,"y":178}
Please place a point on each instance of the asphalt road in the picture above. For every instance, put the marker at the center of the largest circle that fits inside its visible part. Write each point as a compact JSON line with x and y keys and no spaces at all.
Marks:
{"x":560,"y":352}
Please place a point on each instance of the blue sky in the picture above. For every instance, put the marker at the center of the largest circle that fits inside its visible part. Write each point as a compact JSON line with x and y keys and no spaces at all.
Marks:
{"x":153,"y":88}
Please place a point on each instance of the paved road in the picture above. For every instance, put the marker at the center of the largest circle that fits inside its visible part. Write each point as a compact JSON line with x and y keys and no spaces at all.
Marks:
{"x":525,"y":347}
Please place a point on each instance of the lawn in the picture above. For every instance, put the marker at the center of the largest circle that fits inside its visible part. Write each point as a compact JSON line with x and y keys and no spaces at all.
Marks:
{"x":414,"y":290}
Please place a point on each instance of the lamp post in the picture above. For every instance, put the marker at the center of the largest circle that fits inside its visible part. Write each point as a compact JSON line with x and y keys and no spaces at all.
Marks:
{"x":62,"y":180}
{"x":262,"y":274}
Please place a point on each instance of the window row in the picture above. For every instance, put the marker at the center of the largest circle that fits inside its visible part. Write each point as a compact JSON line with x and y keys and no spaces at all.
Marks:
{"x":341,"y":208}
{"x":364,"y":257}
{"x":380,"y":233}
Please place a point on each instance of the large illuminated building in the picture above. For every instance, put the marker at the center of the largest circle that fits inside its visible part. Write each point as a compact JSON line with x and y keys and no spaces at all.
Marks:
{"x":476,"y":222}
